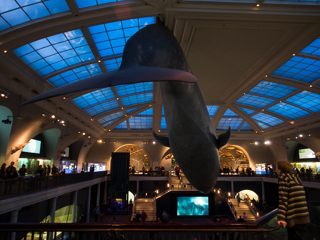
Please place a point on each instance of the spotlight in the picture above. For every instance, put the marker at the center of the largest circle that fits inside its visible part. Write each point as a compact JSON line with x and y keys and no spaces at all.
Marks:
{"x":7,"y":121}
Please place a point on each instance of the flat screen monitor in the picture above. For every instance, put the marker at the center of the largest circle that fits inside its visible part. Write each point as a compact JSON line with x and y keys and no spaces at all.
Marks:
{"x":33,"y":146}
{"x":193,"y":206}
{"x":306,"y":153}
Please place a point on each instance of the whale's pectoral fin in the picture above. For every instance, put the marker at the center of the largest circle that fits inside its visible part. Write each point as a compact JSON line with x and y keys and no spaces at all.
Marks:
{"x":162,"y":140}
{"x":223,"y":138}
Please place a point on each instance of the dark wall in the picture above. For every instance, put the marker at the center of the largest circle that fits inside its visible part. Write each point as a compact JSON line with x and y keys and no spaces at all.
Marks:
{"x":150,"y":186}
{"x":34,"y":213}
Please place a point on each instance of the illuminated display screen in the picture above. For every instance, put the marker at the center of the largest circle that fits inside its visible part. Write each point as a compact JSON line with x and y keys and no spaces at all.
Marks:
{"x":193,"y":206}
{"x":306,"y":153}
{"x":33,"y":146}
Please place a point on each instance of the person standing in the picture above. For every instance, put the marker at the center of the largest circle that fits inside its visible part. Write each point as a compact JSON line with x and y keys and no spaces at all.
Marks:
{"x":238,"y":199}
{"x":144,"y":216}
{"x":293,"y":211}
{"x":96,"y":213}
{"x":54,"y":170}
{"x":22,"y":171}
{"x":114,"y":211}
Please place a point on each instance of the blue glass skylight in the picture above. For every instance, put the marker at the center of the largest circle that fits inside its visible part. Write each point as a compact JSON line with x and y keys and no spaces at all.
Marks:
{"x":163,"y":123}
{"x":140,"y":123}
{"x":248,"y":111}
{"x":130,"y":89}
{"x":307,"y":100}
{"x":313,"y":48}
{"x":230,"y":113}
{"x":103,"y":107}
{"x":162,"y":111}
{"x":234,"y":123}
{"x":90,"y":3}
{"x":110,"y":38}
{"x":262,"y":125}
{"x":271,"y":89}
{"x":113,"y":64}
{"x":106,"y":119}
{"x":148,"y":112}
{"x":212,"y":110}
{"x":246,"y":127}
{"x":122,"y":125}
{"x":287,"y":110}
{"x":137,"y":99}
{"x":267,"y":119}
{"x":94,"y":97}
{"x":56,"y":52}
{"x":131,"y":110}
{"x":299,"y":68}
{"x":75,"y":75}
{"x":15,"y":12}
{"x":254,"y":101}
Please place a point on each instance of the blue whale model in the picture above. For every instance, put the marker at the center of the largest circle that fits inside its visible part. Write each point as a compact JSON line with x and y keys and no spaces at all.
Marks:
{"x":153,"y":54}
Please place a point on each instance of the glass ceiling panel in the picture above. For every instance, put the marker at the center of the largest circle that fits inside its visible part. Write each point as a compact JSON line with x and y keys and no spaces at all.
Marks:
{"x":300,"y":68}
{"x":94,"y":97}
{"x":248,"y":111}
{"x":130,"y":89}
{"x":271,"y":89}
{"x":288,"y":111}
{"x":75,"y":75}
{"x":113,"y":64}
{"x":110,"y":38}
{"x":307,"y":100}
{"x":267,"y":119}
{"x":234,"y":123}
{"x":254,"y":101}
{"x":263,"y":126}
{"x":246,"y":127}
{"x":90,"y":3}
{"x":148,"y":112}
{"x":131,"y":110}
{"x":230,"y":113}
{"x":140,"y":123}
{"x":56,"y":52}
{"x":110,"y":117}
{"x":101,"y":108}
{"x":15,"y":12}
{"x":122,"y":125}
{"x":163,"y":123}
{"x":212,"y":110}
{"x":137,"y":99}
{"x":313,"y":48}
{"x":162,"y":111}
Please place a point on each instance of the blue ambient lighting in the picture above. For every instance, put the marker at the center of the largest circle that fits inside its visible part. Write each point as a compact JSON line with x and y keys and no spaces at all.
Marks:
{"x":313,"y":48}
{"x":110,"y":38}
{"x":113,"y":64}
{"x":212,"y":110}
{"x":254,"y":101}
{"x":107,"y":120}
{"x":130,"y":89}
{"x":56,"y":52}
{"x":163,"y":123}
{"x":140,"y":123}
{"x":15,"y":12}
{"x":230,"y":113}
{"x":122,"y":125}
{"x":75,"y":75}
{"x":90,"y":3}
{"x":137,"y":99}
{"x":288,"y":110}
{"x":246,"y":127}
{"x":270,"y":89}
{"x":267,"y":119}
{"x":307,"y":100}
{"x":248,"y":111}
{"x":234,"y":123}
{"x":300,"y":68}
{"x":148,"y":112}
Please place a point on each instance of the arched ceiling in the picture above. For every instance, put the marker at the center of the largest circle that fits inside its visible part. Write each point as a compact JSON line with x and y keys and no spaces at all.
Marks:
{"x":258,"y":67}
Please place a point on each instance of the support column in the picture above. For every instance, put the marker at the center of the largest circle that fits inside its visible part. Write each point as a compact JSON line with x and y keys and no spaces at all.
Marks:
{"x":52,"y":214}
{"x":105,"y":196}
{"x":232,"y":189}
{"x":88,"y":205}
{"x":262,"y":190}
{"x":137,"y":195}
{"x":98,"y":195}
{"x":14,"y":219}
{"x":75,"y":202}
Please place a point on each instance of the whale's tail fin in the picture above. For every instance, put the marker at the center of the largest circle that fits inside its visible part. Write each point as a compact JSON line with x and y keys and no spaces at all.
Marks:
{"x":162,"y":140}
{"x":223,"y":138}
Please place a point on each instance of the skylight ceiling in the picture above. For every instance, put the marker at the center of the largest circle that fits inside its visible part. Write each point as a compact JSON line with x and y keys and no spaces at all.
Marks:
{"x":82,"y":52}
